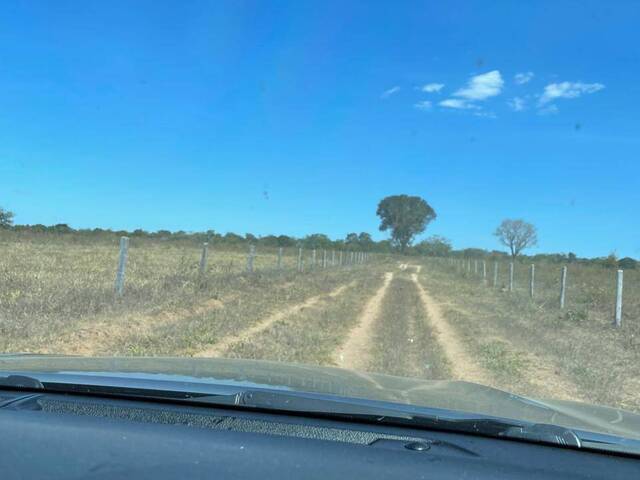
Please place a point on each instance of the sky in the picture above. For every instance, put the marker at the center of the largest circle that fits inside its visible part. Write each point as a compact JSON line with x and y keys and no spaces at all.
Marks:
{"x":296,"y":117}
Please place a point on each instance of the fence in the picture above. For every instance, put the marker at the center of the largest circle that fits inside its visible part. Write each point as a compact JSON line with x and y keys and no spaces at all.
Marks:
{"x":318,"y":260}
{"x":513,"y":276}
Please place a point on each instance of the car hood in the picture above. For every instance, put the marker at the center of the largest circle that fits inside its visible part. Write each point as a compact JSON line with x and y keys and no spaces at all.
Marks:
{"x":452,"y":395}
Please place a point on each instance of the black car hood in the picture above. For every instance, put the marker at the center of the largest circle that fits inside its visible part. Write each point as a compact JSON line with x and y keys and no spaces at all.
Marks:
{"x":452,"y":395}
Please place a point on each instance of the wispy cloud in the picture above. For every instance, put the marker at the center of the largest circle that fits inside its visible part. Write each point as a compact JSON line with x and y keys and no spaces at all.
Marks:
{"x":423,"y":105}
{"x":432,"y":87}
{"x":391,"y":91}
{"x":457,"y":103}
{"x":517,"y":104}
{"x":522,"y":78}
{"x":482,"y":86}
{"x":554,"y":91}
{"x":548,"y":110}
{"x":485,"y":114}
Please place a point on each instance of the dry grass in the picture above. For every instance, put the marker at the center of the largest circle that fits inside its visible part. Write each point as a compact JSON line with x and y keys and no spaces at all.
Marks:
{"x":403,"y":344}
{"x":313,"y":335}
{"x":56,"y":292}
{"x":578,"y":346}
{"x":58,"y":296}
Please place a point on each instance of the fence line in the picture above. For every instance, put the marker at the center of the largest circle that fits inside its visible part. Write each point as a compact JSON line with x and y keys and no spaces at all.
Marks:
{"x":463,"y":267}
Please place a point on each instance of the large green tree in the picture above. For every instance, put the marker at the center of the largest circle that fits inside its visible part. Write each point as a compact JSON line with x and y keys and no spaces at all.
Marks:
{"x":405,"y":216}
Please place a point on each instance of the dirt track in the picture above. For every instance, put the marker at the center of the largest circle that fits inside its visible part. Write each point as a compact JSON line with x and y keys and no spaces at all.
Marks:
{"x":219,"y":348}
{"x":463,"y":366}
{"x":355,"y":351}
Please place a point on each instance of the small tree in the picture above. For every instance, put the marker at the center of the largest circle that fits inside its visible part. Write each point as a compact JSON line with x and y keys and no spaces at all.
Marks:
{"x":434,"y":246}
{"x":6,"y":218}
{"x":406,"y":217}
{"x":517,"y":235}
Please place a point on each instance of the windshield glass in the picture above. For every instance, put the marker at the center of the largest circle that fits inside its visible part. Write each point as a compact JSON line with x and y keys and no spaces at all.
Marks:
{"x":437,"y":191}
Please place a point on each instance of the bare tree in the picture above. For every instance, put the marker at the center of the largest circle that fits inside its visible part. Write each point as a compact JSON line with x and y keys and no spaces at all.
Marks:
{"x":517,"y":235}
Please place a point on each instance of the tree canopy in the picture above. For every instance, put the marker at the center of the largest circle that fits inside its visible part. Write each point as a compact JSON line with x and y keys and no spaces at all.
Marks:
{"x":6,"y":218}
{"x":405,"y":216}
{"x":517,"y":235}
{"x":434,"y":246}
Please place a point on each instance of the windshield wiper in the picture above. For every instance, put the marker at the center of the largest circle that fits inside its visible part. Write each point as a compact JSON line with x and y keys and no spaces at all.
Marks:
{"x":405,"y":415}
{"x":351,"y":409}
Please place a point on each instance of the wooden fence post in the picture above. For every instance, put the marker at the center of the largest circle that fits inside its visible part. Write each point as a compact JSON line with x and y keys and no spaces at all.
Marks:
{"x":340,"y":258}
{"x":122,"y":265}
{"x":475,"y":267}
{"x":618,"y":316}
{"x":252,"y":253}
{"x":511,"y":276}
{"x":484,"y":272}
{"x":532,"y":279}
{"x":313,"y":258}
{"x":333,"y":258}
{"x":495,"y":274}
{"x":324,"y":259}
{"x":203,"y":259}
{"x":299,"y":259}
{"x":563,"y":286}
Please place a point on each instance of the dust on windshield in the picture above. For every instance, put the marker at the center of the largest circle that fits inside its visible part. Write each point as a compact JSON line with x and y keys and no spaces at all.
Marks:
{"x":437,"y":191}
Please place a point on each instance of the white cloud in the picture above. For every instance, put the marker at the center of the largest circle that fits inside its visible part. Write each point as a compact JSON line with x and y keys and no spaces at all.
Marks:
{"x":457,"y":103}
{"x":522,"y":78}
{"x":391,"y":91}
{"x":432,"y":87}
{"x":568,"y":90}
{"x":423,"y":105}
{"x":482,"y":86}
{"x":548,"y":110}
{"x":517,"y":104}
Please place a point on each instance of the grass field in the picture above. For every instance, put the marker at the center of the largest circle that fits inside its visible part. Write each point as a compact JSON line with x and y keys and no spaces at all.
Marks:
{"x":425,"y":319}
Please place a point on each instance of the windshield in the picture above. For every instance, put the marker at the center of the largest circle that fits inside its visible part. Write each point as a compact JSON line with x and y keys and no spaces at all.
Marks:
{"x":437,"y":191}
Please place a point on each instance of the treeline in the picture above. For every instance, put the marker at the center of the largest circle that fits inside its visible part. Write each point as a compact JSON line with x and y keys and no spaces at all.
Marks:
{"x":434,"y":246}
{"x":610,"y":261}
{"x":353,"y":241}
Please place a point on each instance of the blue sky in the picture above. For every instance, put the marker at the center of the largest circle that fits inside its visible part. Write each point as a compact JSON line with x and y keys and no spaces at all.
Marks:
{"x":298,"y":117}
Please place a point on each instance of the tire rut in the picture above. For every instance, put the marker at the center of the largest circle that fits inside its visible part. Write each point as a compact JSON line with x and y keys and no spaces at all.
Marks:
{"x":462,"y":364}
{"x":218,"y":349}
{"x":354,"y":353}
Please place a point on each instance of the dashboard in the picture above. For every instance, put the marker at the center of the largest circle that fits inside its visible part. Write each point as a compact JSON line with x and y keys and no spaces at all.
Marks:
{"x":58,"y":436}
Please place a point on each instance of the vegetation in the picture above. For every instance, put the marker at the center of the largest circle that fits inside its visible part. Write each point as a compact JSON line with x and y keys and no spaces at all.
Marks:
{"x":6,"y":218}
{"x":516,"y":235}
{"x":57,"y":296}
{"x":534,"y":348}
{"x":405,"y":216}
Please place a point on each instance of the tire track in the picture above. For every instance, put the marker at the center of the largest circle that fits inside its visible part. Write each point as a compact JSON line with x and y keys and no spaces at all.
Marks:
{"x":354,"y":352}
{"x":463,"y":366}
{"x":225,"y":343}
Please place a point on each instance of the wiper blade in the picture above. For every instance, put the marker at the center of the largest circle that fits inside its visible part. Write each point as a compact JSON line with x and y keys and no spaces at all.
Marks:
{"x":414,"y":417}
{"x":319,"y":405}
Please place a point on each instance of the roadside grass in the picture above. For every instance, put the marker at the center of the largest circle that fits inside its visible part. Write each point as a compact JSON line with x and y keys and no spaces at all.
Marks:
{"x":402,"y":342}
{"x":248,"y":304}
{"x":55,"y":286}
{"x":312,"y":335}
{"x":579,"y":341}
{"x":501,"y":360}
